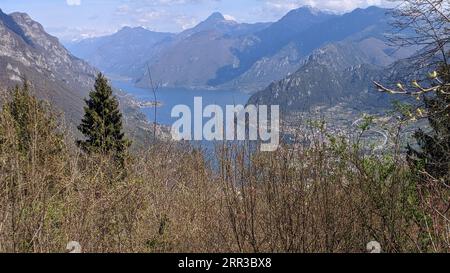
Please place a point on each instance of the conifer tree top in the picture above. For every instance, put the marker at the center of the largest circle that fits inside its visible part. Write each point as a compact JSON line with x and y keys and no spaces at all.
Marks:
{"x":102,"y":122}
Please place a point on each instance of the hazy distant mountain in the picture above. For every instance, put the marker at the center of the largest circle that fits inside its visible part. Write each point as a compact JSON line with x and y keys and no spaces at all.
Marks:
{"x":199,"y":52}
{"x":359,"y":25}
{"x":223,"y":54}
{"x":124,"y":53}
{"x":216,"y":54}
{"x":27,"y":51}
{"x":255,"y":51}
{"x":341,"y":72}
{"x":217,"y":50}
{"x":189,"y":58}
{"x":218,"y":22}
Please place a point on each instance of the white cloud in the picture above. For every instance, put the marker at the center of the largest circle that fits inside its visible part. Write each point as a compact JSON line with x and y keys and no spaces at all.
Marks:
{"x":229,"y":17}
{"x":177,"y":15}
{"x":330,"y":5}
{"x":158,"y":15}
{"x":272,"y":10}
{"x":70,"y":34}
{"x":73,"y":2}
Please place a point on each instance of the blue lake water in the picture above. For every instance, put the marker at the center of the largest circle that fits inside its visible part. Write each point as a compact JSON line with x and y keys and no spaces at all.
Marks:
{"x":170,"y":97}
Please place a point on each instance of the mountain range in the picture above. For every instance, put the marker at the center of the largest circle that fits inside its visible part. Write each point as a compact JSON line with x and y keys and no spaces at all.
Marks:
{"x":28,"y":52}
{"x":341,"y":72}
{"x":124,"y":53}
{"x":307,"y":58}
{"x":224,"y":54}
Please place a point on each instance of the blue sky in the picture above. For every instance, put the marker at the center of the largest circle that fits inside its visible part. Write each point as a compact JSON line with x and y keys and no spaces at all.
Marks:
{"x":75,"y":19}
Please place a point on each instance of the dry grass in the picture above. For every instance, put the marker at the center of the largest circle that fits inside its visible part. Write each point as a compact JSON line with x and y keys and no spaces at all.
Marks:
{"x":324,"y":197}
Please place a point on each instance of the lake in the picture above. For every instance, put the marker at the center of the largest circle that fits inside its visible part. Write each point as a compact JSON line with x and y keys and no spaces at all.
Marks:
{"x":170,"y":97}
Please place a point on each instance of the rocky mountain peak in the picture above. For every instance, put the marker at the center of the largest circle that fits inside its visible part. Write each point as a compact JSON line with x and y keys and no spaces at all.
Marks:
{"x":217,"y":20}
{"x":370,"y":11}
{"x":132,"y":29}
{"x":303,"y":15}
{"x":22,"y":16}
{"x":215,"y":17}
{"x":308,"y":10}
{"x":28,"y":24}
{"x":34,"y":33}
{"x":27,"y":51}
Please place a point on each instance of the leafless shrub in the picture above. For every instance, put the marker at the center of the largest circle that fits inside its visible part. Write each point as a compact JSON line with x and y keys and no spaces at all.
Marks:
{"x":326,"y":196}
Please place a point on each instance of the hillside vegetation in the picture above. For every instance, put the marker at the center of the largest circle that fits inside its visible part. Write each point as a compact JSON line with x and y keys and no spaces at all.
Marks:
{"x":327,"y":196}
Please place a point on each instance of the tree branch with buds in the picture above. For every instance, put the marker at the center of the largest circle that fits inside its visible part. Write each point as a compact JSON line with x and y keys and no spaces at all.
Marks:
{"x":440,"y":87}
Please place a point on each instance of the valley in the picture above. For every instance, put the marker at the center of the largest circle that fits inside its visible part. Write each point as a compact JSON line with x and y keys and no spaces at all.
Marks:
{"x":305,"y":61}
{"x":307,"y":53}
{"x":224,"y":127}
{"x":167,"y":98}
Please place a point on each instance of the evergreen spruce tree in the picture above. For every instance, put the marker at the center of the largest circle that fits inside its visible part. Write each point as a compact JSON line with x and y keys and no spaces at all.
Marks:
{"x":20,"y":107}
{"x":433,"y":153}
{"x":102,"y":122}
{"x":36,"y":129}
